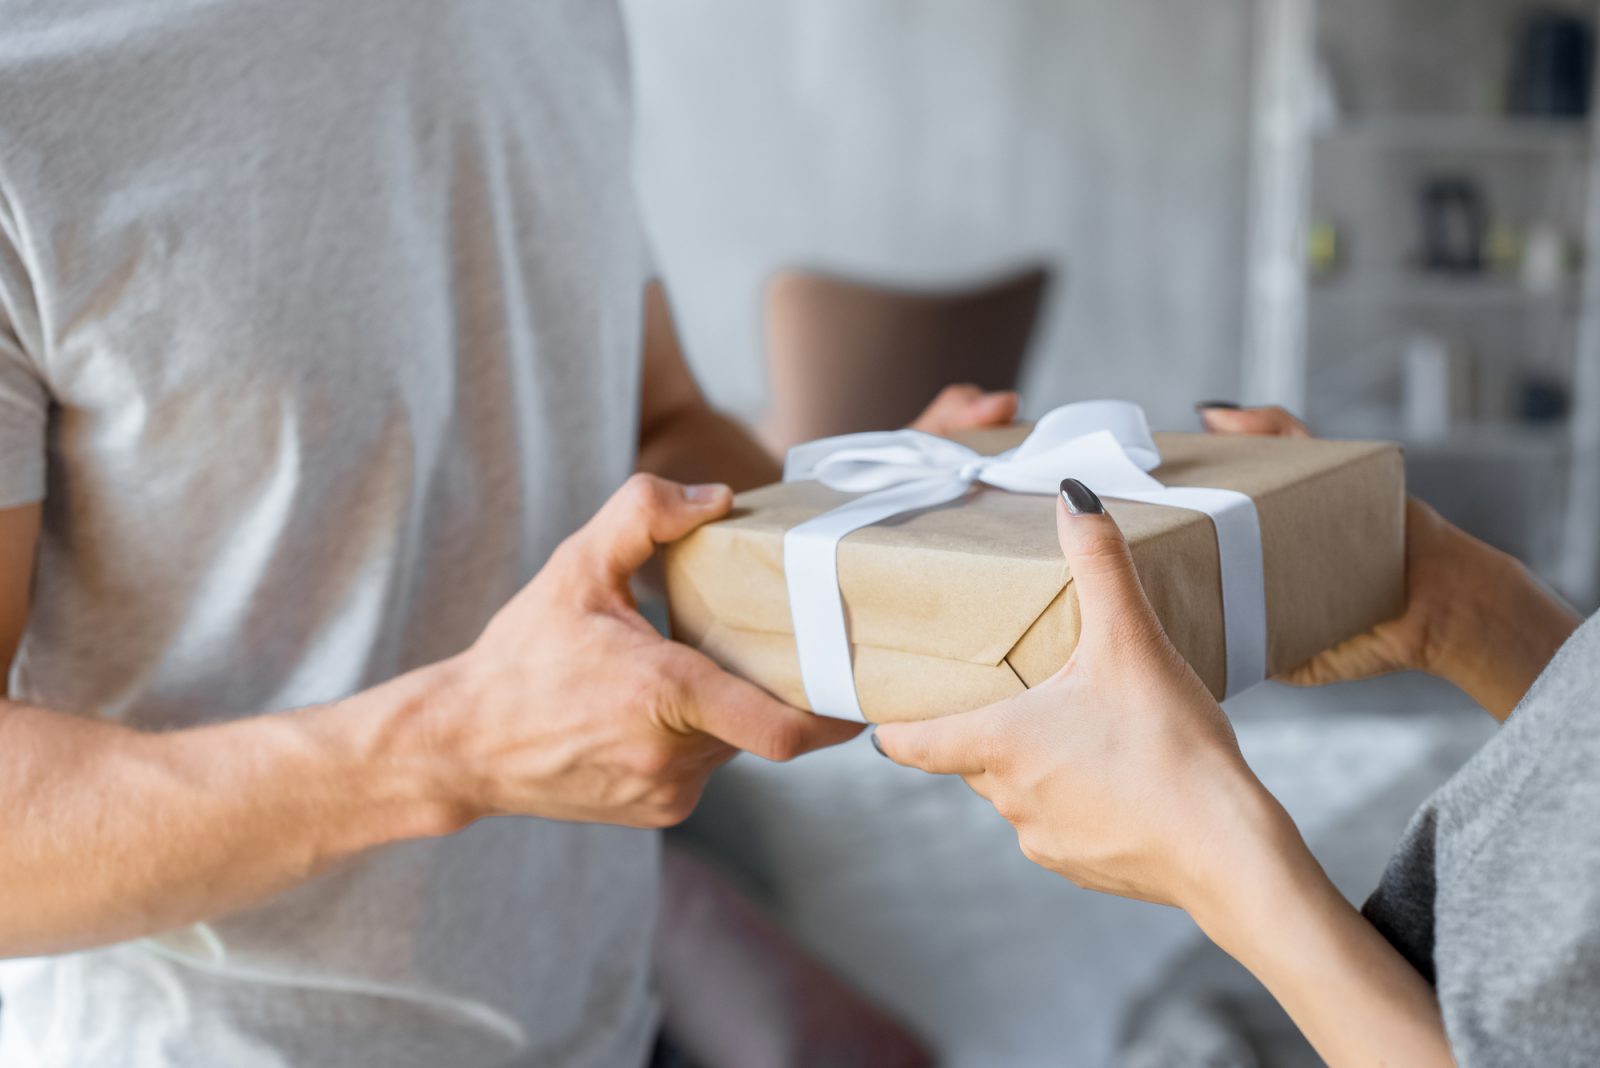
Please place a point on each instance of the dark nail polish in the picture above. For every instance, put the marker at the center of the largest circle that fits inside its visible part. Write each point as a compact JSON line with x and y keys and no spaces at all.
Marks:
{"x":873,"y":734}
{"x":1080,"y":498}
{"x":1225,"y":405}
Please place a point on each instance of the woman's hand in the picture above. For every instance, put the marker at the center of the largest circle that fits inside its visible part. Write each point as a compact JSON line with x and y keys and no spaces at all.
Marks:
{"x":1473,"y":615}
{"x":1120,"y":772}
{"x":1435,"y":551}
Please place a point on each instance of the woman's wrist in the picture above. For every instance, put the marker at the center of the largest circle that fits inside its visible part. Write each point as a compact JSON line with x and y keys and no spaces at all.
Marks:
{"x":1499,"y":629}
{"x":1257,"y":853}
{"x":1277,"y":913}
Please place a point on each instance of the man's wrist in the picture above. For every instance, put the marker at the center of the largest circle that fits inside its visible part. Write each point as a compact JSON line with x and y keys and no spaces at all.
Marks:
{"x":382,"y":743}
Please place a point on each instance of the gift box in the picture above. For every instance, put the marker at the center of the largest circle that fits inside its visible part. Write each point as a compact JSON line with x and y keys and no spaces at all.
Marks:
{"x":951,"y":607}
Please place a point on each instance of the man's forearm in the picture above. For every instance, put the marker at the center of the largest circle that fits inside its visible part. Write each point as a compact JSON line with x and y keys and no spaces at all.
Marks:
{"x":681,"y":436}
{"x":700,"y":444}
{"x":112,"y":833}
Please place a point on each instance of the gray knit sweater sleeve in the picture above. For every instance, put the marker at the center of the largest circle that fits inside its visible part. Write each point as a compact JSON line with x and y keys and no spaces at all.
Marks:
{"x":1494,"y":894}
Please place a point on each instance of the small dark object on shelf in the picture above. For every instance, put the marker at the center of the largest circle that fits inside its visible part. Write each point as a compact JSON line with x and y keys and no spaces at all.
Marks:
{"x":1455,"y":225}
{"x":1554,"y":67}
{"x":1542,"y":401}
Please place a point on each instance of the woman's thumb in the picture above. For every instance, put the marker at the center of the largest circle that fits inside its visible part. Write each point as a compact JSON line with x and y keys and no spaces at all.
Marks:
{"x":1110,"y":597}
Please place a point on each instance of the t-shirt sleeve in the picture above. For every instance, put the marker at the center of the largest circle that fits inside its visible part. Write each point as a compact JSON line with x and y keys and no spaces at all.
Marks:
{"x":24,"y":400}
{"x":24,"y":407}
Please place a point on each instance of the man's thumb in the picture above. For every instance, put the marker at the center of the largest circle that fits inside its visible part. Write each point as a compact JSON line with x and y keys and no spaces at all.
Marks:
{"x":646,"y":512}
{"x":1110,"y":597}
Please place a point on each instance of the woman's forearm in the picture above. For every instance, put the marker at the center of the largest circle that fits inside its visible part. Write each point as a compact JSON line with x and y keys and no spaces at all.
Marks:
{"x":1356,"y":999}
{"x":1499,"y":630}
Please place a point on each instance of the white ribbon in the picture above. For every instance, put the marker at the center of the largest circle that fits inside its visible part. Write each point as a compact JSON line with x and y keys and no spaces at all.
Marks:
{"x":1104,"y":444}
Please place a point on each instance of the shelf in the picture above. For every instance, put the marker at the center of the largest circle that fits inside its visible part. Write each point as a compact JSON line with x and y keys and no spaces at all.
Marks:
{"x":1540,"y":442}
{"x":1442,"y":293}
{"x":1460,"y":133}
{"x":1535,"y":441}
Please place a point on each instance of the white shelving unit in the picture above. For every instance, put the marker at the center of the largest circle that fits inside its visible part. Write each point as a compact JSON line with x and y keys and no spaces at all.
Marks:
{"x":1579,"y":573}
{"x":1378,"y":299}
{"x":1275,"y":344}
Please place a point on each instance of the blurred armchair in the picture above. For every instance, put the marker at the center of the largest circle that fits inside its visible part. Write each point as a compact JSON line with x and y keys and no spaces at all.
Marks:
{"x":846,"y":355}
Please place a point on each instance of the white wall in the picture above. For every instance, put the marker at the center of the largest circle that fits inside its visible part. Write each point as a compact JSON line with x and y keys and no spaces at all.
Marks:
{"x":932,"y":140}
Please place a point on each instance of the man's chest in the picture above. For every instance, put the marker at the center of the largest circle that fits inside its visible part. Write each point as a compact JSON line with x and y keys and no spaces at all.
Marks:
{"x":245,"y":204}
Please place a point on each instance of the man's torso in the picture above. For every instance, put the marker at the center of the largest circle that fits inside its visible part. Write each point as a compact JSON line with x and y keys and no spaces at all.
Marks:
{"x":337,"y":308}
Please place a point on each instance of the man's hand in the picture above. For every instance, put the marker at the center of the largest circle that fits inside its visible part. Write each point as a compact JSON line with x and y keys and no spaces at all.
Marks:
{"x":571,"y":706}
{"x":1473,"y":615}
{"x":966,"y":407}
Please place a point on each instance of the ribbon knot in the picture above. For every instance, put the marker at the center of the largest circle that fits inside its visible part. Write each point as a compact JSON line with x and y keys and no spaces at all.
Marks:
{"x":1105,"y":444}
{"x":971,"y":472}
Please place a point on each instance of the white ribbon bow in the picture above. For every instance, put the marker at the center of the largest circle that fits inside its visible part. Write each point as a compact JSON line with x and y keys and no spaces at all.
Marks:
{"x":1104,"y":444}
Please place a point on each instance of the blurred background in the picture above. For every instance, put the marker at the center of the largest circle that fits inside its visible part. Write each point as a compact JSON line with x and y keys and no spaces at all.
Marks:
{"x":1382,"y":214}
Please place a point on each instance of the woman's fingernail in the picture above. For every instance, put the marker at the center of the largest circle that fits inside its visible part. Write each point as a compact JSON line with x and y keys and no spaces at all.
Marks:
{"x":706,"y":493}
{"x":1080,"y":499}
{"x":872,"y":732}
{"x":1227,"y":405}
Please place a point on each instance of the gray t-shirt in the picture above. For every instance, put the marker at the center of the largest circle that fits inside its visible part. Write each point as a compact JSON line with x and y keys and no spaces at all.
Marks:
{"x":1494,"y":894}
{"x":319,"y":328}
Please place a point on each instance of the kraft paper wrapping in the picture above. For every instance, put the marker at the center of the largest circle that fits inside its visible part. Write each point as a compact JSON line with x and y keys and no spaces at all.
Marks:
{"x":955,"y":607}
